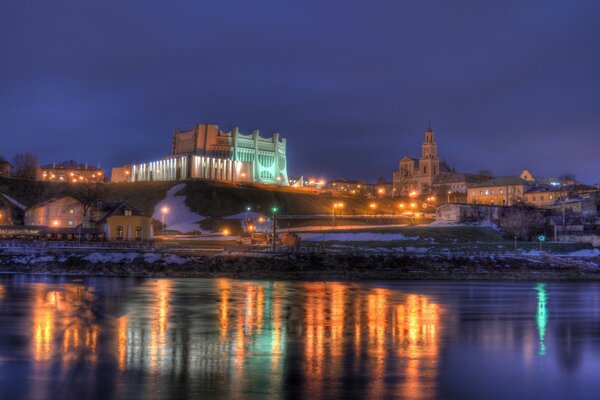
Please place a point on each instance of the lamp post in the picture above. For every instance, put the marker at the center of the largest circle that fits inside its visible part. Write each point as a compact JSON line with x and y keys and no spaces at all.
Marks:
{"x":248,"y":209}
{"x":449,"y":193}
{"x":164,"y":210}
{"x":274,"y":222}
{"x":373,"y":207}
{"x":335,"y":206}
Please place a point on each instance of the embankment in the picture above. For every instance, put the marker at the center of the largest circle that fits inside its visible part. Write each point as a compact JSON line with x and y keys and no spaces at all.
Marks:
{"x":303,"y":266}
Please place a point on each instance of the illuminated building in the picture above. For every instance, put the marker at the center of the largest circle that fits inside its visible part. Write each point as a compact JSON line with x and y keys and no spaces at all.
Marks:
{"x":69,"y":171}
{"x":418,"y":175}
{"x":502,"y":190}
{"x":206,"y":152}
{"x":57,"y":213}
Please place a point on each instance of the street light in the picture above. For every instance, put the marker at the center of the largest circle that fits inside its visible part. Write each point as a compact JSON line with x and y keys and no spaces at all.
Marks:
{"x":449,"y":193}
{"x":274,"y":221}
{"x":226,"y":232}
{"x":164,"y":210}
{"x":339,"y":205}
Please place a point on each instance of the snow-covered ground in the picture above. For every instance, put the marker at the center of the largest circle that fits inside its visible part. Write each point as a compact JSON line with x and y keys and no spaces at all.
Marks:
{"x":483,"y":224}
{"x":179,"y":218}
{"x":354,"y":237}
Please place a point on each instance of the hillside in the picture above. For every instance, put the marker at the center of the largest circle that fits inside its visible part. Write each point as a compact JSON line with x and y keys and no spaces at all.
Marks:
{"x":210,"y":199}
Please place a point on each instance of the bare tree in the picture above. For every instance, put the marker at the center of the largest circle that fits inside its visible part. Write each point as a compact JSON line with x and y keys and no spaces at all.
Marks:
{"x":25,"y":166}
{"x":88,"y":195}
{"x":521,"y":221}
{"x":568,"y":178}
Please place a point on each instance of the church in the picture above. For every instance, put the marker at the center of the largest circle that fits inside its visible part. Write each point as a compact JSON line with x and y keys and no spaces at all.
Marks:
{"x":417,"y":175}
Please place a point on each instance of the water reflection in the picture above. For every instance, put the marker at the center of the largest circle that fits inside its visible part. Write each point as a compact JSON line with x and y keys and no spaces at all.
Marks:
{"x":247,"y":339}
{"x":541,"y":316}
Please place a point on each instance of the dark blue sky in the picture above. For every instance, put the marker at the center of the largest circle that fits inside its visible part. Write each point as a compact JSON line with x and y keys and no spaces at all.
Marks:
{"x":350,"y":84}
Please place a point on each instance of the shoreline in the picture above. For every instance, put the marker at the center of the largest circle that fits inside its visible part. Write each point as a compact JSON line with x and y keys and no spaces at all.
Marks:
{"x":306,"y":267}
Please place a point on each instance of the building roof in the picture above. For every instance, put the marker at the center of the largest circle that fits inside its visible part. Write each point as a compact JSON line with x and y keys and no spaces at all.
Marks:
{"x":511,"y":180}
{"x":454,"y":177}
{"x":53,"y":200}
{"x":117,"y":208}
{"x":545,"y":189}
{"x":71,"y":164}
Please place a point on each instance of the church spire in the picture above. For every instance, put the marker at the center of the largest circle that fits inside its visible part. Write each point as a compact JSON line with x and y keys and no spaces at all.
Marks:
{"x":429,"y":125}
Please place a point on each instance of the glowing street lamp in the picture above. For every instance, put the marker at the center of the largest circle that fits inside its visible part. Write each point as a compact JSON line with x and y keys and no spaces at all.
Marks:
{"x":339,"y":205}
{"x":226,"y":232}
{"x":412,"y":194}
{"x":164,"y":211}
{"x":274,"y":222}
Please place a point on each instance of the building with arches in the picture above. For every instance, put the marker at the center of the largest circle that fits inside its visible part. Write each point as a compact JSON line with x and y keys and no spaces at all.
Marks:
{"x":207,"y":152}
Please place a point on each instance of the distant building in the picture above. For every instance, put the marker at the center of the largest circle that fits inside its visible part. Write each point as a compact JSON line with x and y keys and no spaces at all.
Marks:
{"x":56,"y":213}
{"x":70,"y":171}
{"x":542,"y":196}
{"x":502,"y":190}
{"x":119,"y":220}
{"x":112,"y":221}
{"x":352,"y":187}
{"x":5,"y":168}
{"x":457,"y":182}
{"x":206,"y":152}
{"x":417,"y":175}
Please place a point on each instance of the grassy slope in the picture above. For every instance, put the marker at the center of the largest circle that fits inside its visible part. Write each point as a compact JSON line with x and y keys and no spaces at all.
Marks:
{"x":219,"y":199}
{"x":211,"y":199}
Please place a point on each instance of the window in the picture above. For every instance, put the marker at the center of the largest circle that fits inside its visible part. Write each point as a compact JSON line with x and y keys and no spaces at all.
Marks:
{"x":119,"y":233}
{"x":492,"y":191}
{"x":541,"y":198}
{"x":487,"y":192}
{"x":71,"y":211}
{"x":138,"y":233}
{"x":70,"y":223}
{"x":128,"y":213}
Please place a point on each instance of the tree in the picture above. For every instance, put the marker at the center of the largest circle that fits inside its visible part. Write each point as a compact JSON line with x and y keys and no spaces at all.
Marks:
{"x":25,"y":166}
{"x":568,"y":178}
{"x":521,"y":221}
{"x":88,"y":195}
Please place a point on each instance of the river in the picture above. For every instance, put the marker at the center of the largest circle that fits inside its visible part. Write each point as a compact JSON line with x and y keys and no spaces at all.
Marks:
{"x":128,"y":338}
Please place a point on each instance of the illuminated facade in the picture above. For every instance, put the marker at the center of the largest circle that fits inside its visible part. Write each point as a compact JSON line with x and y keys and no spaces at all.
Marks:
{"x":417,"y":175}
{"x":206,"y":152}
{"x":69,"y":171}
{"x":58,"y":213}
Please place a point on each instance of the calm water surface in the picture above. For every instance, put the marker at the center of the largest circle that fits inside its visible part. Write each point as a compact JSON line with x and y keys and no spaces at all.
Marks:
{"x":114,"y":338}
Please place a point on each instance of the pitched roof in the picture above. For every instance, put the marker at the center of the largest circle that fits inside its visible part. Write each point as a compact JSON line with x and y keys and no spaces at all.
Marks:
{"x":503,"y":181}
{"x":453,"y":177}
{"x":117,"y":208}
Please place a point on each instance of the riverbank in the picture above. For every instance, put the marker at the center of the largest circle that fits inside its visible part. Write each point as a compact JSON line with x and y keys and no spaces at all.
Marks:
{"x":306,"y":266}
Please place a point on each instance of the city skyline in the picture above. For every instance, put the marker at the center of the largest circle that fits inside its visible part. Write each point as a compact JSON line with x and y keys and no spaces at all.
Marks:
{"x":351,"y":94}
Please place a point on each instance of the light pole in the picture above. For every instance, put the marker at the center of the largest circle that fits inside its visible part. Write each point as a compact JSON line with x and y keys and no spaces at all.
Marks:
{"x":164,"y":210}
{"x":274,"y":221}
{"x":335,"y":205}
{"x":246,"y":220}
{"x":449,"y":193}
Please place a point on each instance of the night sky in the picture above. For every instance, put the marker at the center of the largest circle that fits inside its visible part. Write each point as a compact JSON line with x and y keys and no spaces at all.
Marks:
{"x":507,"y":84}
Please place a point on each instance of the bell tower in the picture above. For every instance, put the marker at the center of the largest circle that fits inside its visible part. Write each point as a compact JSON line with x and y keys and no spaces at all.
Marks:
{"x":429,"y":163}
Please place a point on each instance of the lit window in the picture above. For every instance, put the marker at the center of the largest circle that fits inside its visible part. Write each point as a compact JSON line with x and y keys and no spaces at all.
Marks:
{"x":71,"y":211}
{"x":70,"y":223}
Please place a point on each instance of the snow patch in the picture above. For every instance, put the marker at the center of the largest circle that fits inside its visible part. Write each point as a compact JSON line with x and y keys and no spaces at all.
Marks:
{"x":179,"y":218}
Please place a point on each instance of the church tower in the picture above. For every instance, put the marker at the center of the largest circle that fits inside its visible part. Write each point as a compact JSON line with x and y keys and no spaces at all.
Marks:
{"x":429,"y":163}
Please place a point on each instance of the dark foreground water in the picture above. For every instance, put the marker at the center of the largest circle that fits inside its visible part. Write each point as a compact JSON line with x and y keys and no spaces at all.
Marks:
{"x":103,"y":338}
